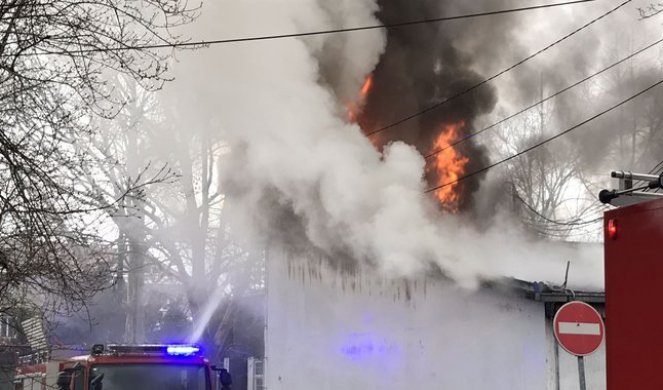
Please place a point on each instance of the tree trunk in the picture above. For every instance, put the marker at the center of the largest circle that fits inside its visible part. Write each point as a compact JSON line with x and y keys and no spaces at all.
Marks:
{"x":135,"y":324}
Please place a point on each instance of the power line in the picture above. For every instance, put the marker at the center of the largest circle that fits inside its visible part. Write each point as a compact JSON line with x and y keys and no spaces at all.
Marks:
{"x":491,"y":78}
{"x":322,"y":32}
{"x":471,"y":135}
{"x":565,"y":234}
{"x":653,"y":170}
{"x":484,"y":169}
{"x":574,"y":222}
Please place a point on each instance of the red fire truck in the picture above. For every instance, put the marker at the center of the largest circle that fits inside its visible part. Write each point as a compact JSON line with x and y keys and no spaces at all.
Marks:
{"x":125,"y":367}
{"x":633,"y":276}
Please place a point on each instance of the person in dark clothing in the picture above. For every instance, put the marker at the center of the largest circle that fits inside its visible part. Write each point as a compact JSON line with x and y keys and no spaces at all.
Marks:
{"x":225,"y":379}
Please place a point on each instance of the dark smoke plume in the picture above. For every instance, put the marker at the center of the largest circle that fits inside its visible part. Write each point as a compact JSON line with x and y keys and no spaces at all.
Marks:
{"x":299,"y":174}
{"x":422,"y":66}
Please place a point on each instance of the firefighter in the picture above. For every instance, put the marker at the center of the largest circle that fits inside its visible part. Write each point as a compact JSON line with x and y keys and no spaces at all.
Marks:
{"x":225,"y":379}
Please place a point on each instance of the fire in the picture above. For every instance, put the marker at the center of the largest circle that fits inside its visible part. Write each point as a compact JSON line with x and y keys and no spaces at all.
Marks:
{"x":366,"y":88}
{"x":449,"y":166}
{"x":354,"y":108}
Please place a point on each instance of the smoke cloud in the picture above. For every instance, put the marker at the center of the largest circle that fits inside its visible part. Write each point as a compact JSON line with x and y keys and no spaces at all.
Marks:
{"x":300,"y":175}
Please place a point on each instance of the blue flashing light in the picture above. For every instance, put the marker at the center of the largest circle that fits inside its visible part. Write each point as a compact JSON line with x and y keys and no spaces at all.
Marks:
{"x":182,"y":350}
{"x":371,"y":347}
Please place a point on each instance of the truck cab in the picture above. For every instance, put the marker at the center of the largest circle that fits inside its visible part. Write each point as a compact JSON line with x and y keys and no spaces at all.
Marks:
{"x":144,"y":367}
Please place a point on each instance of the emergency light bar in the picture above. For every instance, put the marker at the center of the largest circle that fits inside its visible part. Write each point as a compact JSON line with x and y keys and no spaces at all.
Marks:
{"x":182,"y":350}
{"x":148,"y":349}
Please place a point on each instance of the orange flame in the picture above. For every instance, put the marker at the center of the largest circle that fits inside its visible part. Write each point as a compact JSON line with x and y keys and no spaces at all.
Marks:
{"x":368,"y":85}
{"x":354,"y":108}
{"x":449,"y":165}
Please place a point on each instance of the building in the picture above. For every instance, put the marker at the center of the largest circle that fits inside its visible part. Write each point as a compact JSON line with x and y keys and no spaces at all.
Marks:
{"x":328,"y":328}
{"x":10,"y":349}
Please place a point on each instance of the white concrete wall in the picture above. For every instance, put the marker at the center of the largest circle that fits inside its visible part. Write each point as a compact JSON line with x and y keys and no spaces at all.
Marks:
{"x":328,"y":331}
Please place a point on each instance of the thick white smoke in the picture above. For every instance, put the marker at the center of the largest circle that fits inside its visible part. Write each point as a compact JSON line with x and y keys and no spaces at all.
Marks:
{"x":296,"y":161}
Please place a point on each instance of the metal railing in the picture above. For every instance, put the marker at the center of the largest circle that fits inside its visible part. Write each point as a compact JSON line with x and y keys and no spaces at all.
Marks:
{"x":627,"y":193}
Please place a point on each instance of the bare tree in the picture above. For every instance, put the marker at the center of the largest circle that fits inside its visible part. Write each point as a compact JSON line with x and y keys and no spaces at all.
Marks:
{"x":187,"y":240}
{"x":651,"y":10}
{"x":631,"y":140}
{"x":189,"y":236}
{"x":54,"y":56}
{"x":175,"y":235}
{"x":543,"y":180}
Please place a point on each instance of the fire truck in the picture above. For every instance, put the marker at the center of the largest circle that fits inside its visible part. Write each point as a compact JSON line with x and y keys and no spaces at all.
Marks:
{"x":633,"y":276}
{"x":125,"y":367}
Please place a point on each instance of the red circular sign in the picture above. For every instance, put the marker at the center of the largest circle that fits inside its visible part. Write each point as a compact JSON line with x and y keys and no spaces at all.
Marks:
{"x":578,"y":328}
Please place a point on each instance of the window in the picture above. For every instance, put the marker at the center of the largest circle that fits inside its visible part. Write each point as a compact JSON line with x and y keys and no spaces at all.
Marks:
{"x":154,"y":376}
{"x":79,"y":380}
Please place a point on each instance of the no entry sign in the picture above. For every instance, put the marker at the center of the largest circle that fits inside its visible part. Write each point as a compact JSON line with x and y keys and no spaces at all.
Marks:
{"x":579,"y":328}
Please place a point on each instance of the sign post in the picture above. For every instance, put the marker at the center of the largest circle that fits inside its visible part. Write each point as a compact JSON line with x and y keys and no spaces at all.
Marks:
{"x":579,"y":329}
{"x":581,"y":372}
